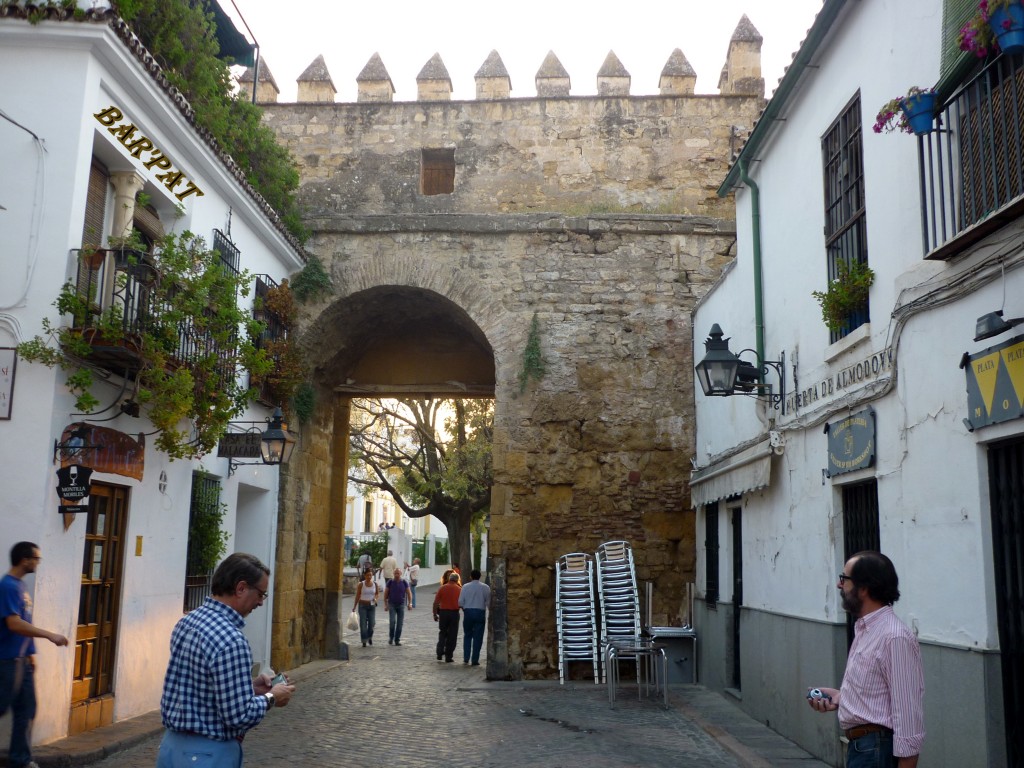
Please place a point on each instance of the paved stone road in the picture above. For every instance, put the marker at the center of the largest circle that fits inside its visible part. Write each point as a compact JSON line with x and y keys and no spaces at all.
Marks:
{"x":427,"y":713}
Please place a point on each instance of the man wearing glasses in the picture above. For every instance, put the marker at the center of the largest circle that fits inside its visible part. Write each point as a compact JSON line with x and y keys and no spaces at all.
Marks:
{"x":881,"y":701}
{"x":17,"y":647}
{"x":210,"y":699}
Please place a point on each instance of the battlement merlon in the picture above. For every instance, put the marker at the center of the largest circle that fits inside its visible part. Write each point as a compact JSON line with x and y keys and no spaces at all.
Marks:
{"x":374,"y":83}
{"x":315,"y":83}
{"x":740,"y":76}
{"x":266,"y":85}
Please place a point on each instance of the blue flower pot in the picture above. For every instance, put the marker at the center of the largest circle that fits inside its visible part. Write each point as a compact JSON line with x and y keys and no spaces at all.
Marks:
{"x":919,"y":110}
{"x":1008,"y":27}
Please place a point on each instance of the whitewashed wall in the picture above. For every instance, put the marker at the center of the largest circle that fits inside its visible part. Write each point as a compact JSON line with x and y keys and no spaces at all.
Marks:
{"x":931,"y":472}
{"x":56,"y":76}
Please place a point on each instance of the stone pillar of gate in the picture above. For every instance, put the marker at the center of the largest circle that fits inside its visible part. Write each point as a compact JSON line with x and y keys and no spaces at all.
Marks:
{"x":335,"y":645}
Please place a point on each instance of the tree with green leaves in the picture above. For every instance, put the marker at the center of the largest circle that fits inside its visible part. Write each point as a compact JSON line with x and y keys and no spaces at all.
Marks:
{"x":433,"y":456}
{"x":181,"y":36}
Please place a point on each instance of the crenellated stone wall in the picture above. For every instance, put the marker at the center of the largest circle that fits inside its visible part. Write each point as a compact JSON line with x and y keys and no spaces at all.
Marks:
{"x":597,"y":214}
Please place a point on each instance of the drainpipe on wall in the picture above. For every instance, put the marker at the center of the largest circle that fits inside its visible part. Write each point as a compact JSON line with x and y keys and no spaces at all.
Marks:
{"x":755,"y":221}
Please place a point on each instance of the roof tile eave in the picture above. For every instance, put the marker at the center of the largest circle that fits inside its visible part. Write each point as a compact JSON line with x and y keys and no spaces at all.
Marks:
{"x":151,"y":66}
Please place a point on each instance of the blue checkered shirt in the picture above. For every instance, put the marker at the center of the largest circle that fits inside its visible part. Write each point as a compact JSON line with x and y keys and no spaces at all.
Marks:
{"x":208,"y":688}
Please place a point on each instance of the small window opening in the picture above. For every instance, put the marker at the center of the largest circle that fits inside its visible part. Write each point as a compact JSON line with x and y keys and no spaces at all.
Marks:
{"x":437,"y":172}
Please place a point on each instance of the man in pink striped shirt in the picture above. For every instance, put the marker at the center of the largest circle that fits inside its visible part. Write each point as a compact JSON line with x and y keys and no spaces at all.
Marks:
{"x":881,"y":701}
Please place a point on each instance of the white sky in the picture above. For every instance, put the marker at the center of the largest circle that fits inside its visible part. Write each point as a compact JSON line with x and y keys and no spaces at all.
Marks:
{"x":406,"y":33}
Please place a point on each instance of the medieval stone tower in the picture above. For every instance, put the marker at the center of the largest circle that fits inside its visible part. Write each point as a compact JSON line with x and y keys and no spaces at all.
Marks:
{"x":446,"y":226}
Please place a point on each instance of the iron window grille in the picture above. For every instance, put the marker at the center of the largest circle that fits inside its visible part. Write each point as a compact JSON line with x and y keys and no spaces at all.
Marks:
{"x":205,"y":503}
{"x":842,"y":152}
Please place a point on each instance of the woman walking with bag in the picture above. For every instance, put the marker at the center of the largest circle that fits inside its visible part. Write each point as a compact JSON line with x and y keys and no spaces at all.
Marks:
{"x":366,"y":604}
{"x":412,"y":573}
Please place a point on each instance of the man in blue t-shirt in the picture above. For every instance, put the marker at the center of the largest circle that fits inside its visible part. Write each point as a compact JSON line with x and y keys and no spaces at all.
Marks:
{"x":17,"y":687}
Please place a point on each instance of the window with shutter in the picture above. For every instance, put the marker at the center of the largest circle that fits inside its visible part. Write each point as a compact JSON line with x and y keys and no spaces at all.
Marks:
{"x":955,"y":14}
{"x":95,"y":205}
{"x":88,"y":275}
{"x":437,"y":172}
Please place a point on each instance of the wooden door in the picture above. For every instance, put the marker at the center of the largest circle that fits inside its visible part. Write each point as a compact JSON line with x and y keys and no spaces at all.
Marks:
{"x":96,"y":638}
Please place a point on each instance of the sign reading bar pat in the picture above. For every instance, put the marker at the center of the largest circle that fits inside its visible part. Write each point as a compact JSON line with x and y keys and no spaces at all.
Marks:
{"x":240,"y":445}
{"x":851,"y":443}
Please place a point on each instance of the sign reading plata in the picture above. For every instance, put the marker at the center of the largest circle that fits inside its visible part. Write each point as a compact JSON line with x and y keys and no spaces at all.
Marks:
{"x":851,"y":443}
{"x":240,"y":445}
{"x":995,"y":383}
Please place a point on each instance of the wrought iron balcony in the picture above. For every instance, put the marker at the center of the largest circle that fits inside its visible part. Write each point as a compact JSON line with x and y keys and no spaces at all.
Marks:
{"x":274,"y":333}
{"x":116,"y":288}
{"x":971,"y":166}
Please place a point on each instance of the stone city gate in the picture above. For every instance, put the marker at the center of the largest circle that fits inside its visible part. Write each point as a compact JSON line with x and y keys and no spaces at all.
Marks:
{"x":446,"y":227}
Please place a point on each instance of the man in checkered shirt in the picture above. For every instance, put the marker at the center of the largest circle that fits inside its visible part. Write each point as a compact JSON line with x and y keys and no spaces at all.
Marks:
{"x":210,"y":699}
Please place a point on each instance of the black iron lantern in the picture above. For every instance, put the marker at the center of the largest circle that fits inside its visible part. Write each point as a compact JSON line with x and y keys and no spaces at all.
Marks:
{"x":276,"y":445}
{"x":717,"y":371}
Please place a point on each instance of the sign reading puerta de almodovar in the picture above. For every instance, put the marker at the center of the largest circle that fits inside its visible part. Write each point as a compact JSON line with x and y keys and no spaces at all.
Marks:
{"x":995,"y":383}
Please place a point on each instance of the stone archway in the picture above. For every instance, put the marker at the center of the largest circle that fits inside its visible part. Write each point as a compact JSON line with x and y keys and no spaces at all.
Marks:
{"x":597,"y":450}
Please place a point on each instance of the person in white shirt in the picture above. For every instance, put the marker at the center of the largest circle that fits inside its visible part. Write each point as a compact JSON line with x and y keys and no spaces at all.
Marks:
{"x":473,"y":600}
{"x":412,"y":574}
{"x":387,"y":566}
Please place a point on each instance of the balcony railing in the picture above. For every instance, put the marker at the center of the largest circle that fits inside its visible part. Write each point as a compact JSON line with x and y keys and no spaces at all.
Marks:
{"x":118,"y":289}
{"x":274,"y":330}
{"x":971,"y":166}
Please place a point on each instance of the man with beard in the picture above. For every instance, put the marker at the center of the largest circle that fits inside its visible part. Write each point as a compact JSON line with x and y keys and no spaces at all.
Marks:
{"x":880,"y":702}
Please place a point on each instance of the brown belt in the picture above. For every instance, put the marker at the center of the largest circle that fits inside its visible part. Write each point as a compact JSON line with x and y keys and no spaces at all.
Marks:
{"x":863,"y":730}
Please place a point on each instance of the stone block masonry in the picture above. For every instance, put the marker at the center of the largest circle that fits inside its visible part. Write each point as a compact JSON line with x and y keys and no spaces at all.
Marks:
{"x":445,"y":226}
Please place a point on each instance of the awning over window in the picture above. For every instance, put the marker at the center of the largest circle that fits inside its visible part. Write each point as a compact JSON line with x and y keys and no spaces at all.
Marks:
{"x":748,"y":470}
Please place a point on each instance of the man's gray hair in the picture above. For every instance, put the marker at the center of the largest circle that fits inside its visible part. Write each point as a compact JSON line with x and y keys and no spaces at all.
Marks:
{"x":453,"y":576}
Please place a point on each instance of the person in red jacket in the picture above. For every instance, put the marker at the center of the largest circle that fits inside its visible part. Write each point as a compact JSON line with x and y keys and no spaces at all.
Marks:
{"x":446,"y":614}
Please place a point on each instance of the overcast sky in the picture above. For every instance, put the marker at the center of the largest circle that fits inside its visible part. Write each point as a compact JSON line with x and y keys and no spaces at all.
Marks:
{"x":643,"y":33}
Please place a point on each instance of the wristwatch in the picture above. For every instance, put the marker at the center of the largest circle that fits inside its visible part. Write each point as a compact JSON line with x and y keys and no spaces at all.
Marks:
{"x":270,"y":699}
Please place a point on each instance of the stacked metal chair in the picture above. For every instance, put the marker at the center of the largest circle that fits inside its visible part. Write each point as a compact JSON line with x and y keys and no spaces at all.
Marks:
{"x":616,"y":584}
{"x":575,"y":613}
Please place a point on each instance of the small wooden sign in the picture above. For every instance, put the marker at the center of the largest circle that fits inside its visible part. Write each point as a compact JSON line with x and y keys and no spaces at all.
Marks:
{"x":240,"y":445}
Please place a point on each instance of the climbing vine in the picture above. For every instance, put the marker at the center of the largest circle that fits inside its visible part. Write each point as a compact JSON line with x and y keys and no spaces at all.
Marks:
{"x":533,"y":362}
{"x":183,"y":341}
{"x":312,"y":281}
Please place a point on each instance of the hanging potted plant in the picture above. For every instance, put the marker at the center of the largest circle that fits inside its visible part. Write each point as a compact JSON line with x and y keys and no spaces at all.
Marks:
{"x":847,"y":294}
{"x":997,"y":26}
{"x":912,"y":113}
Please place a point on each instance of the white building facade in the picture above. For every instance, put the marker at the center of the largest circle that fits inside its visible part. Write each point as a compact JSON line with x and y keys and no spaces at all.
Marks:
{"x":899,"y":432}
{"x":89,"y":123}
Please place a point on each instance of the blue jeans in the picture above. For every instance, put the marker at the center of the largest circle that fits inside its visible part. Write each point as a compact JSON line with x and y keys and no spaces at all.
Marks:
{"x":412,"y":588}
{"x":396,"y":617}
{"x":18,"y":692}
{"x":184,"y":750}
{"x":367,"y":620}
{"x":873,"y":750}
{"x":473,"y":621}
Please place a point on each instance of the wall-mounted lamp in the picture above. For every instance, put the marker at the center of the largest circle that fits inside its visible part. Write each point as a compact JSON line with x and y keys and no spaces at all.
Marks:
{"x":722,"y":373}
{"x":276,"y":444}
{"x":993,"y":324}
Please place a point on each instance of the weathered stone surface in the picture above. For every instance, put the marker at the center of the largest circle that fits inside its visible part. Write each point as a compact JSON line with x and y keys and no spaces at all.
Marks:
{"x":600,"y":216}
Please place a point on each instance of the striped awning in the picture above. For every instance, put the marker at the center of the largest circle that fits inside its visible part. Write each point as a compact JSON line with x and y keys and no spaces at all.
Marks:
{"x":748,"y":470}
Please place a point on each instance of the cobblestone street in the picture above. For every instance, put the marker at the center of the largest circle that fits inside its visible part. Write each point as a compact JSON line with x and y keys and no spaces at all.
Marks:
{"x":426,"y":713}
